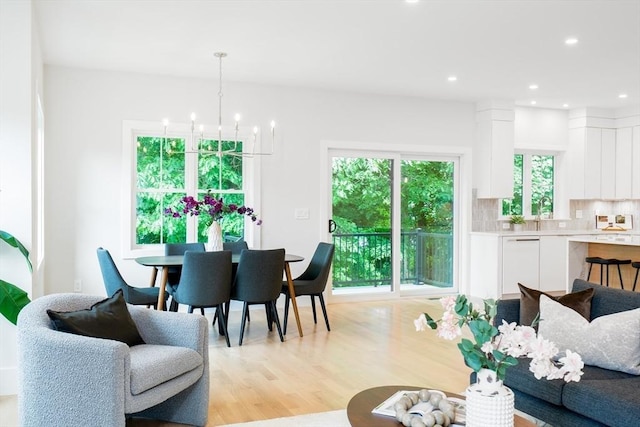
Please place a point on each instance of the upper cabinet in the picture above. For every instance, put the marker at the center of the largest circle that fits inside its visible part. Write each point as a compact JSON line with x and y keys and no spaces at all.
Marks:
{"x":493,"y":150}
{"x":604,"y":156}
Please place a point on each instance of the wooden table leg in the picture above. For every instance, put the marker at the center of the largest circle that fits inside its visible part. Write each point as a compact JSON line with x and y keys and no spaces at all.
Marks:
{"x":154,"y":274}
{"x":163,"y":285}
{"x":292,"y":294}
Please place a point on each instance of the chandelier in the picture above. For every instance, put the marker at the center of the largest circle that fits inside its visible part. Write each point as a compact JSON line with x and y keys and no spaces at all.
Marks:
{"x":232,"y":136}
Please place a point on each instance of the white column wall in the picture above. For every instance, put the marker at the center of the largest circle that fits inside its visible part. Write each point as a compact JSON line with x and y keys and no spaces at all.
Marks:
{"x":84,"y":117}
{"x":16,"y":130}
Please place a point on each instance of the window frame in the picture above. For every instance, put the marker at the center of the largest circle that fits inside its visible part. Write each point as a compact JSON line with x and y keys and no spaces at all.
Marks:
{"x":526,"y":182}
{"x":131,"y":130}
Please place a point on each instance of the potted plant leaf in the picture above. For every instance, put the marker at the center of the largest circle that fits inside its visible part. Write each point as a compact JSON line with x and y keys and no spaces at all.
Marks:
{"x":12,"y":298}
{"x":517,"y":221}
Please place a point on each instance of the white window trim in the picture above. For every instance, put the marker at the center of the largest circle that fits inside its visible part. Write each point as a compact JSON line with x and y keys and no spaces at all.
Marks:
{"x":130,"y":130}
{"x":560,"y":202}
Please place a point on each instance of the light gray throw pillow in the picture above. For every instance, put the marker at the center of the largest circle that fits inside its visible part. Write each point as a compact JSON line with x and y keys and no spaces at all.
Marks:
{"x":610,"y":342}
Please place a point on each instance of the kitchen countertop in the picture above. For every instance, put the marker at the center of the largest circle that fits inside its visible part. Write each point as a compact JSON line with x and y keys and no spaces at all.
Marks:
{"x":603,"y":235}
{"x":609,"y":239}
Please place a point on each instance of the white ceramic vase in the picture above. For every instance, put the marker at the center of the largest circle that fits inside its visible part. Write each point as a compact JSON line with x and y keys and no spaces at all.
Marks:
{"x":214,"y":234}
{"x":489,"y":402}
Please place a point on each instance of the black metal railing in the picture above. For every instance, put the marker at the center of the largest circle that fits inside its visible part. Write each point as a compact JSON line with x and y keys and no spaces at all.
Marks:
{"x":364,"y":259}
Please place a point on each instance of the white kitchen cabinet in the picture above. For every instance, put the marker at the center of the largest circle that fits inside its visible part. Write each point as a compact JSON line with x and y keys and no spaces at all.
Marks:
{"x":624,"y":162}
{"x":520,"y":263}
{"x":608,"y":165}
{"x":493,"y":152}
{"x":592,"y":163}
{"x":635,"y":168}
{"x":553,"y":263}
{"x":608,"y":160}
{"x":499,"y":262}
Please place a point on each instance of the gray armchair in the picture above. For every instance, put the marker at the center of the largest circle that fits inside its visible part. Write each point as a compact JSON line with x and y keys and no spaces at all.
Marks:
{"x":73,"y":380}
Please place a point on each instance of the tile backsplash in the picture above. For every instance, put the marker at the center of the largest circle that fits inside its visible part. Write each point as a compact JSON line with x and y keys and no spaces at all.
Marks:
{"x":485,"y":214}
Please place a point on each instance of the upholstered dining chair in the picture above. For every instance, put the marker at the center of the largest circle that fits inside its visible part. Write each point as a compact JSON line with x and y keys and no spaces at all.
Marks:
{"x":206,"y":282}
{"x":258,"y":281}
{"x":113,"y":281}
{"x":235,"y":247}
{"x":74,"y":380}
{"x":174,"y":272}
{"x":312,"y":282}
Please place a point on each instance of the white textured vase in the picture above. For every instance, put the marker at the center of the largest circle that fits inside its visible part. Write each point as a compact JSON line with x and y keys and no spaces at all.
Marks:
{"x":489,"y":402}
{"x":214,"y":235}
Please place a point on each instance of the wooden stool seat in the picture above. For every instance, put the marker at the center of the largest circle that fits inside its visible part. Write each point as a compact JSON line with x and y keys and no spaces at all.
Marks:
{"x":608,"y":261}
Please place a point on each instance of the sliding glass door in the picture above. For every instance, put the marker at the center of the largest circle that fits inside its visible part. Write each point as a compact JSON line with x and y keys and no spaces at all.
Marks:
{"x":393,"y":221}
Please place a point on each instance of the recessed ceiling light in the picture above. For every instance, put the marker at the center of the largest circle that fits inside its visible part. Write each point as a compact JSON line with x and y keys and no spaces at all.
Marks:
{"x":452,"y":78}
{"x":533,"y":86}
{"x":533,"y":102}
{"x":571,"y":41}
{"x":565,"y":105}
{"x":622,"y":95}
{"x":412,"y":1}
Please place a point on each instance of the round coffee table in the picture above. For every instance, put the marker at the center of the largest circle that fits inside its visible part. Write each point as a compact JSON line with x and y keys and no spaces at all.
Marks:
{"x":360,"y":406}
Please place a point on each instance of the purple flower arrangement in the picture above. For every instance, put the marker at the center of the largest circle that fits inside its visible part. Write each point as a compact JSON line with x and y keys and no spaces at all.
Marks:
{"x":216,"y":209}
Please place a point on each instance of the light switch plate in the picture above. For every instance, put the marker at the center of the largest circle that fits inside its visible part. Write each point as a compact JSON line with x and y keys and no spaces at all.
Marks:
{"x":301,"y":213}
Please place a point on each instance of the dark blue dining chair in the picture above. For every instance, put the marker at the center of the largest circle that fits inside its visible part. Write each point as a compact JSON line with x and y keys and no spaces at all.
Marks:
{"x":205,"y":282}
{"x":113,"y":281}
{"x":235,"y":247}
{"x":312,"y":282}
{"x":258,"y":281}
{"x":174,"y":272}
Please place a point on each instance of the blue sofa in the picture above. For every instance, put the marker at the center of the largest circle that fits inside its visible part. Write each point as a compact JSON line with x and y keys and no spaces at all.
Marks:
{"x":601,"y":398}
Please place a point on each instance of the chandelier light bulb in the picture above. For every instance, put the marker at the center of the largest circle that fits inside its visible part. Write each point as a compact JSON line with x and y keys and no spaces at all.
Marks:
{"x":255,"y":130}
{"x":165,"y":122}
{"x":193,"y":117}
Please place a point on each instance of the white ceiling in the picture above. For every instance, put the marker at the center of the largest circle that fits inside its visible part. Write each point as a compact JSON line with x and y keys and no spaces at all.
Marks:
{"x":495,"y":48}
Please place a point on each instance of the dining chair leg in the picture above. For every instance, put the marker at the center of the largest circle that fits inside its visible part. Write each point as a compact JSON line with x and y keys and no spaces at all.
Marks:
{"x":324,"y":311}
{"x":220,"y":315}
{"x":245,"y":309}
{"x":202,"y":310}
{"x":267,"y":310}
{"x":190,"y":309}
{"x":286,"y":312}
{"x":313,"y":308}
{"x":276,"y":319}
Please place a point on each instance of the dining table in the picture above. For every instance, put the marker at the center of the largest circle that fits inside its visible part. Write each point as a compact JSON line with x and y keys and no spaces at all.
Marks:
{"x":165,"y":262}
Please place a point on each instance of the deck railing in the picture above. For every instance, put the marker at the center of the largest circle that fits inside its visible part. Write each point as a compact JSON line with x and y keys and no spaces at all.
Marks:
{"x":364,"y":259}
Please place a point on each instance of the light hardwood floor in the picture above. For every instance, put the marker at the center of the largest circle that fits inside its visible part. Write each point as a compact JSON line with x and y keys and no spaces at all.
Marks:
{"x":370,"y":344}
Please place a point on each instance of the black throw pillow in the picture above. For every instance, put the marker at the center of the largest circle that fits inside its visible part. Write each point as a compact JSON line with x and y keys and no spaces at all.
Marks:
{"x":109,"y":319}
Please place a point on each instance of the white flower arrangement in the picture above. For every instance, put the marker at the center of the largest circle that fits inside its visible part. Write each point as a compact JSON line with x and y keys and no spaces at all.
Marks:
{"x":498,"y":348}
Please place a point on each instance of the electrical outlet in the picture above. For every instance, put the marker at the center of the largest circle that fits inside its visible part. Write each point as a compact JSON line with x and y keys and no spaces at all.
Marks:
{"x":77,"y":285}
{"x":578,"y":214}
{"x":562,"y":224}
{"x":505,"y":225}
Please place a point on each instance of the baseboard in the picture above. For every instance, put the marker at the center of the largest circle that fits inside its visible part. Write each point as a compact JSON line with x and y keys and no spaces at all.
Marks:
{"x":8,"y":381}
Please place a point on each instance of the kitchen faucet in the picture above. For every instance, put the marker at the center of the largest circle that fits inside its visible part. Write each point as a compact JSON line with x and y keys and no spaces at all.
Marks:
{"x":540,"y":203}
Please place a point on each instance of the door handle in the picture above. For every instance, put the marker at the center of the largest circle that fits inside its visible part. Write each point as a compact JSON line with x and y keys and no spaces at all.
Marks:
{"x":332,"y":226}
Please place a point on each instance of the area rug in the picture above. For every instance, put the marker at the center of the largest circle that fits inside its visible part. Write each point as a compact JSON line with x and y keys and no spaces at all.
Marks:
{"x":321,"y":419}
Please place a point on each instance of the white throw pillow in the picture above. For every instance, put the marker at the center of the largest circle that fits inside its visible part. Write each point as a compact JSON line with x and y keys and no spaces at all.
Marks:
{"x":610,"y":342}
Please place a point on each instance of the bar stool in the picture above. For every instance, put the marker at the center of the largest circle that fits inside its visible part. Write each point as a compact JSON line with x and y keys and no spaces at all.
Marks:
{"x":607,"y":261}
{"x":636,"y":265}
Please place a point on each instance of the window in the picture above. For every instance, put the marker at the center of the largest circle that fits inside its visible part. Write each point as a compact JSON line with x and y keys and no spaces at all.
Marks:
{"x":164,"y":169}
{"x":533,"y":185}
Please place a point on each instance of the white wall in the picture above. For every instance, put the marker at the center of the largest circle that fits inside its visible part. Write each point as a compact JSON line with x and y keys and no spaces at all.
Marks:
{"x":538,"y":128}
{"x":84,"y":113}
{"x":20,"y":63}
